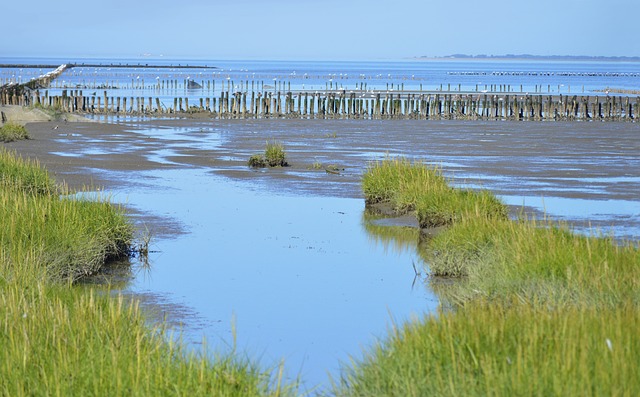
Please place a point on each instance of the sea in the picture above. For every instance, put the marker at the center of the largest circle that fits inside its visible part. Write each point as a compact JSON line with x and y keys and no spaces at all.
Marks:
{"x":143,"y":77}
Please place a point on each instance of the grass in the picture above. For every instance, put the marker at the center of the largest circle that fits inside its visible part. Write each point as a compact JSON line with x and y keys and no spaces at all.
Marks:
{"x":536,"y":309}
{"x":514,"y":350}
{"x":58,"y":338}
{"x":537,"y":261}
{"x":417,"y":187}
{"x":274,"y":156}
{"x":257,"y":161}
{"x":13,"y":132}
{"x":67,"y":238}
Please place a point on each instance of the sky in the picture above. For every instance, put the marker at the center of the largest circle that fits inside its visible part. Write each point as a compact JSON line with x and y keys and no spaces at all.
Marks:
{"x":318,"y":29}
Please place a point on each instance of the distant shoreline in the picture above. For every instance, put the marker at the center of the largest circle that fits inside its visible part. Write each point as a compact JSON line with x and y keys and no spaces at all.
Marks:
{"x":105,"y":65}
{"x":532,"y":57}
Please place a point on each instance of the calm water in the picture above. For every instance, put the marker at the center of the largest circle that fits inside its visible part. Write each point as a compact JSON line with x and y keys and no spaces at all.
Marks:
{"x":293,"y":278}
{"x":584,"y":77}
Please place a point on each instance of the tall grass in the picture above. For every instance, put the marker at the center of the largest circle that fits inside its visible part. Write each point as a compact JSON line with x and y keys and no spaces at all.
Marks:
{"x":67,"y":342}
{"x":512,"y":350}
{"x":68,"y":238}
{"x":417,"y":187}
{"x":28,"y":176}
{"x":60,"y":339}
{"x":538,"y":261}
{"x":537,"y":309}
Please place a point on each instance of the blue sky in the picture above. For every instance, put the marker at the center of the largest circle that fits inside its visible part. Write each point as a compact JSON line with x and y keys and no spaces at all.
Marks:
{"x":327,"y":29}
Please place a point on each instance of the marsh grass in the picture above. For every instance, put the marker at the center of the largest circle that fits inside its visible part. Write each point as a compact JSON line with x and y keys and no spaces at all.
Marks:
{"x":13,"y":132}
{"x":18,"y":174}
{"x":538,"y":261}
{"x":274,"y":156}
{"x":68,"y":342}
{"x":536,"y":309}
{"x":68,"y":238}
{"x":417,"y":187}
{"x":511,"y":350}
{"x":257,"y":161}
{"x":59,"y":338}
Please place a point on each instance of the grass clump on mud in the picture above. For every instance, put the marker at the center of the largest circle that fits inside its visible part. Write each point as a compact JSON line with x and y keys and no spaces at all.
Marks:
{"x":408,"y":186}
{"x":13,"y":132}
{"x":274,"y":156}
{"x":59,"y":338}
{"x":536,"y":309}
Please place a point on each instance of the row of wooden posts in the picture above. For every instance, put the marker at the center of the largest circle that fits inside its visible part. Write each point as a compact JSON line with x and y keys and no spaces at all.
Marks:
{"x":343,"y":104}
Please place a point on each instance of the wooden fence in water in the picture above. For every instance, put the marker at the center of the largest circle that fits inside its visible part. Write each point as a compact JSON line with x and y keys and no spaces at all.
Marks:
{"x":363,"y":104}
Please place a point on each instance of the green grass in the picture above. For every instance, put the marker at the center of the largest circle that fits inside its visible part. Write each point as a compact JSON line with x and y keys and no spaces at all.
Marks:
{"x":68,"y":238}
{"x":69,"y":342}
{"x":13,"y":132}
{"x":58,"y":338}
{"x":535,"y":309}
{"x":417,"y":187}
{"x":540,"y":262}
{"x":514,"y":350}
{"x":274,"y":156}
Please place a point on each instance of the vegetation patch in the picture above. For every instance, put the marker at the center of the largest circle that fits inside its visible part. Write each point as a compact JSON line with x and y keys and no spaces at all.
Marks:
{"x":540,"y":262}
{"x":67,"y":238}
{"x":58,"y":338}
{"x":274,"y":156}
{"x":13,"y":132}
{"x":536,"y":309}
{"x":512,"y":350}
{"x":418,"y":187}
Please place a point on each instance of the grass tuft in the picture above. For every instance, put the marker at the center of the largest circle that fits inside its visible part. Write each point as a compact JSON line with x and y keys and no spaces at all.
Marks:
{"x":417,"y":187}
{"x":13,"y":132}
{"x":274,"y":156}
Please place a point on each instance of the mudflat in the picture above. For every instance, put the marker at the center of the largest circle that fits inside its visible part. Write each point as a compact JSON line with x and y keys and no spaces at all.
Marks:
{"x":573,"y":160}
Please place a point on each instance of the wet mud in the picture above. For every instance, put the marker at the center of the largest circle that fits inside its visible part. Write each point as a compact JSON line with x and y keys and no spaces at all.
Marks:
{"x":533,"y":165}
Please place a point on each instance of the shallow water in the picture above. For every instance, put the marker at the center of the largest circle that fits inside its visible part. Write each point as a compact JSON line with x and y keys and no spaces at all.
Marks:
{"x":292,"y":278}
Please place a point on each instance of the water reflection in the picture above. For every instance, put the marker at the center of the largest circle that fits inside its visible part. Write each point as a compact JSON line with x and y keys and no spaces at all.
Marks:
{"x":298,"y":278}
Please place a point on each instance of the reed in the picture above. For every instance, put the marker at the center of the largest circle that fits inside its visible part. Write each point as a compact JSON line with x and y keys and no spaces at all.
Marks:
{"x":12,"y":132}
